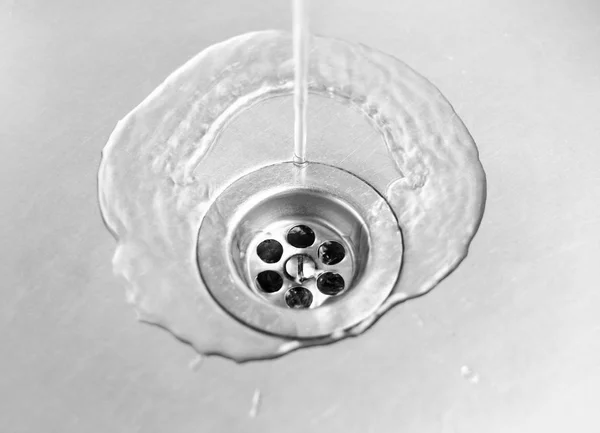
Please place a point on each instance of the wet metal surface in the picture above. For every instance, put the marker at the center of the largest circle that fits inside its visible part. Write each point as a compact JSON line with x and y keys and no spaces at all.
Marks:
{"x":299,"y":208}
{"x":509,"y":342}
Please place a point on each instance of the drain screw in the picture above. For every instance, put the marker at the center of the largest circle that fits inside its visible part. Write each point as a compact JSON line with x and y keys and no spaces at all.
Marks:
{"x":300,"y":268}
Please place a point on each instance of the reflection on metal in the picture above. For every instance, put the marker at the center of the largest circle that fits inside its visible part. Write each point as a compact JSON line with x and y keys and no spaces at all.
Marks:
{"x":300,"y":294}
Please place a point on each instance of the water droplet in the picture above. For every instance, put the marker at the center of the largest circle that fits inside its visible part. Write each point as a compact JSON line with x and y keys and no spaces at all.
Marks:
{"x":469,"y":374}
{"x":419,"y":320}
{"x":256,"y":399}
{"x":196,"y":363}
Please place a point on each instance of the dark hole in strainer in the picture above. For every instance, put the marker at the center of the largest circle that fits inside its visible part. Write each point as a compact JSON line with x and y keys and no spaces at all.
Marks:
{"x":298,"y":297}
{"x":331,"y":252}
{"x":301,"y":236}
{"x":330,"y":283}
{"x":269,"y":281}
{"x":269,"y":251}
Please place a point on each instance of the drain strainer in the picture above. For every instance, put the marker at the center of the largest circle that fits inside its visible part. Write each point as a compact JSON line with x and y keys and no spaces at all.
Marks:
{"x":300,"y":252}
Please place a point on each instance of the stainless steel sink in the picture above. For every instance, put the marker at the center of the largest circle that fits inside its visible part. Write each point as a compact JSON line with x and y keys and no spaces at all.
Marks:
{"x":508,"y":342}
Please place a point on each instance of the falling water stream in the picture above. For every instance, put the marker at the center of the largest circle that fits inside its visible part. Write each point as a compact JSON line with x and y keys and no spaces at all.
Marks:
{"x":300,"y":79}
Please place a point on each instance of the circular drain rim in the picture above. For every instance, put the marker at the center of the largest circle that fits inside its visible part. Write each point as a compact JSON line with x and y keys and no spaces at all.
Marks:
{"x":369,"y":290}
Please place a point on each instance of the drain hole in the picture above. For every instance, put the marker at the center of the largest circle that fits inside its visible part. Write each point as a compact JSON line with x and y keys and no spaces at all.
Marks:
{"x":269,"y":281}
{"x":301,"y":236}
{"x":269,"y":251}
{"x":298,"y":297}
{"x":331,"y":253}
{"x":330,"y":283}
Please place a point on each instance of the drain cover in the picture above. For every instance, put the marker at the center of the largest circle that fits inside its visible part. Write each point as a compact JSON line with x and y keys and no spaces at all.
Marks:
{"x":300,"y":252}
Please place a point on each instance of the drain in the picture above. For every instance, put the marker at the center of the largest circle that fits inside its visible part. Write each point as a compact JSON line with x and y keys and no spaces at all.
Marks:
{"x":331,"y":253}
{"x":269,"y":281}
{"x":301,"y":236}
{"x":298,"y":258}
{"x":331,"y":283}
{"x":296,"y":251}
{"x":269,"y":251}
{"x":298,"y":297}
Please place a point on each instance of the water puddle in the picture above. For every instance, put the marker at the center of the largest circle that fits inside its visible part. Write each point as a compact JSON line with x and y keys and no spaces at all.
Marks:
{"x":154,"y":193}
